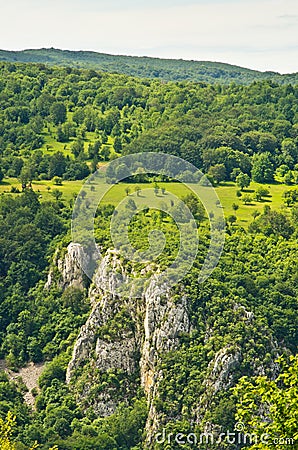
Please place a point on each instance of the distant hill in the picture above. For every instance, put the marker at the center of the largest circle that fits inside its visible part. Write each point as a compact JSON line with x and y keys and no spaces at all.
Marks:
{"x":166,"y":69}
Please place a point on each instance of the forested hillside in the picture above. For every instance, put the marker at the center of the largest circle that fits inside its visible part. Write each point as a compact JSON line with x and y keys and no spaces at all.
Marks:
{"x":146,"y":67}
{"x":53,"y":120}
{"x":120,"y":371}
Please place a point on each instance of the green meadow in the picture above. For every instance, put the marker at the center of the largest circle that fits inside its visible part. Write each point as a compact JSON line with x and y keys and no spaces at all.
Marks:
{"x":227,"y":193}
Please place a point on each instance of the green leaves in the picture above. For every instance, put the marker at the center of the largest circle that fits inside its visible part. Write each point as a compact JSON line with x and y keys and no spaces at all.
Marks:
{"x":271,"y":407}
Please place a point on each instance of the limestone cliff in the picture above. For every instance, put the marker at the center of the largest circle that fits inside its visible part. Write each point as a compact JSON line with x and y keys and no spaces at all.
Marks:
{"x":124,"y":340}
{"x":153,"y":325}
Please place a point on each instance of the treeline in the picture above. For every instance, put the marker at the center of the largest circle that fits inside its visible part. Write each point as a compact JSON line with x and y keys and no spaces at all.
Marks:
{"x":147,"y":67}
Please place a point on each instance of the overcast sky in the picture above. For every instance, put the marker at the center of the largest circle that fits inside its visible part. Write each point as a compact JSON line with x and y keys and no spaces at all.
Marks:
{"x":259,"y":34}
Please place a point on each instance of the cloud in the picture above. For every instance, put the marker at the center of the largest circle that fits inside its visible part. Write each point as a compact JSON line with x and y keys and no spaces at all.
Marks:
{"x":258,"y":34}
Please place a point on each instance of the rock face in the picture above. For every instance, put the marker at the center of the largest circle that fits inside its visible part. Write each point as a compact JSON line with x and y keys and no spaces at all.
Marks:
{"x":133,"y":350}
{"x":69,"y":268}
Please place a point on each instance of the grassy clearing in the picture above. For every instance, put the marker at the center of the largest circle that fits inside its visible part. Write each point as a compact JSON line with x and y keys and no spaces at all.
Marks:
{"x":51,"y":145}
{"x":68,"y":188}
{"x":226,"y":193}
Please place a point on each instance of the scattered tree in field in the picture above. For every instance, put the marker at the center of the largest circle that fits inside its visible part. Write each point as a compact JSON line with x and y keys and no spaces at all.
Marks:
{"x":57,"y":181}
{"x":56,"y":194}
{"x":260,"y":193}
{"x":235,"y":206}
{"x":131,"y":204}
{"x":26,"y":176}
{"x":234,"y":174}
{"x":290,"y":197}
{"x":243,"y":180}
{"x":246,"y":199}
{"x":289,"y":178}
{"x":232,"y":219}
{"x":83,"y":194}
{"x":127,"y":190}
{"x":255,"y":214}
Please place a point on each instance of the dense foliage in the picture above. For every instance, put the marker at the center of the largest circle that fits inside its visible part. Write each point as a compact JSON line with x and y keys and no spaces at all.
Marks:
{"x":34,"y":324}
{"x":53,"y":120}
{"x":279,"y":398}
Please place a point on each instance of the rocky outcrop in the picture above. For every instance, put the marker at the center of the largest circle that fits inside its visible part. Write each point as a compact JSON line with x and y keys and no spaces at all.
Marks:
{"x":67,"y":268}
{"x":156,"y":323}
{"x":221,"y":369}
{"x":123,"y":342}
{"x":126,"y":336}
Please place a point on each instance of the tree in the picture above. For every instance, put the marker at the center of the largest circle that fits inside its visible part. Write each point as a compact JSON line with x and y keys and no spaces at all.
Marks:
{"x":262,"y":169}
{"x":290,"y":197}
{"x":7,"y":427}
{"x":246,"y":199}
{"x":83,"y":194}
{"x":61,"y":136}
{"x":48,"y":221}
{"x":255,"y":214}
{"x":127,"y":190}
{"x":242,"y":180}
{"x":131,"y":204}
{"x":26,"y":176}
{"x":57,"y":181}
{"x":58,"y":113}
{"x":117,"y":144}
{"x":217,"y":173}
{"x":57,"y":165}
{"x":269,"y":408}
{"x":235,"y":207}
{"x":105,"y":152}
{"x":288,"y":178}
{"x":272,"y":223}
{"x":289,"y":151}
{"x":94,"y":149}
{"x":195,"y":206}
{"x":77,"y":147}
{"x":232,"y":219}
{"x":76,"y":171}
{"x":260,"y":193}
{"x":234,"y":174}
{"x":56,"y":194}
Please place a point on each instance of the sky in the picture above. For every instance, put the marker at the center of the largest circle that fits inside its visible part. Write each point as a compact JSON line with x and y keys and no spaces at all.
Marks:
{"x":258,"y":34}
